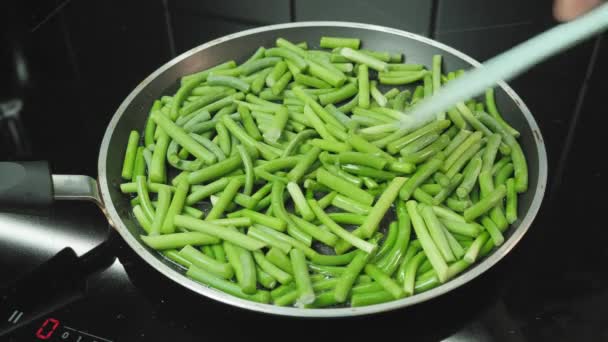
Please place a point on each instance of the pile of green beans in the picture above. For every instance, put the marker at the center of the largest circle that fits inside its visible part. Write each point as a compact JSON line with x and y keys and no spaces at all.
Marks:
{"x":250,"y":170}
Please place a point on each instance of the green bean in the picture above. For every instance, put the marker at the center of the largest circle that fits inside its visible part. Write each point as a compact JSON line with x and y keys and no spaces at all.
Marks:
{"x":202,"y":103}
{"x":281,"y":83}
{"x":178,"y":240}
{"x":436,"y":126}
{"x":359,"y":57}
{"x":201,"y":192}
{"x":201,"y":76}
{"x":215,"y":171}
{"x":364,"y":299}
{"x":391,"y":261}
{"x":200,"y":260}
{"x":385,"y":281}
{"x":492,"y":229}
{"x":460,"y":137}
{"x":233,"y":221}
{"x":471,"y":173}
{"x":429,"y":247}
{"x":511,"y":208}
{"x":176,"y":207}
{"x":366,"y":159}
{"x":408,"y":78}
{"x":164,"y":199}
{"x":299,"y":201}
{"x":503,"y":174}
{"x":464,"y":159}
{"x":330,"y":145}
{"x":268,"y":221}
{"x":491,"y":103}
{"x":370,"y":183}
{"x":410,"y":253}
{"x":275,"y":74}
{"x":317,"y":124}
{"x":249,"y":174}
{"x":288,"y":298}
{"x":431,"y":189}
{"x":306,"y":294}
{"x":297,"y":141}
{"x":277,"y":273}
{"x":144,"y":198}
{"x":258,"y":64}
{"x":436,"y":74}
{"x":419,"y":143}
{"x":280,"y":260}
{"x":405,"y":67}
{"x":421,"y":175}
{"x":393,"y":231}
{"x":225,"y":199}
{"x":382,"y":205}
{"x":485,"y":204}
{"x":311,"y":81}
{"x":470,"y":141}
{"x":289,"y":55}
{"x":272,"y":241}
{"x":427,"y":152}
{"x":151,"y":125}
{"x":455,"y":181}
{"x":339,"y":231}
{"x":130,"y":154}
{"x":142,"y":219}
{"x":422,"y":197}
{"x":174,"y":256}
{"x":325,"y":236}
{"x":473,"y":251}
{"x":348,"y":106}
{"x":234,"y":237}
{"x":278,"y":209}
{"x":441,"y":178}
{"x":373,"y":117}
{"x":436,"y":231}
{"x":339,"y":95}
{"x":489,"y":155}
{"x":337,"y":42}
{"x":179,"y":135}
{"x":265,"y":279}
{"x":326,"y":73}
{"x":227,"y":81}
{"x":362,"y":145}
{"x":229,"y":287}
{"x":343,"y":187}
{"x":212,"y":147}
{"x":363,"y":82}
{"x":517,"y":155}
{"x":348,"y":277}
{"x":139,"y":168}
{"x":457,"y":204}
{"x":350,"y":205}
{"x":317,"y":108}
{"x":410,"y":273}
{"x":347,"y":218}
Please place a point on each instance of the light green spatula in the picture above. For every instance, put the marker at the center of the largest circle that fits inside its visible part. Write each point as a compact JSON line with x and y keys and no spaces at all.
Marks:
{"x":508,"y":65}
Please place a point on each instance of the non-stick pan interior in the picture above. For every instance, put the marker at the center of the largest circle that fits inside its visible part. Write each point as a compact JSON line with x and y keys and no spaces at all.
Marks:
{"x":133,"y":112}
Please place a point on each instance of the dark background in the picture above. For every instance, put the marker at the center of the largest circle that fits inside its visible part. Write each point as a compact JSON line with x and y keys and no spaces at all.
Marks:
{"x":70,"y":64}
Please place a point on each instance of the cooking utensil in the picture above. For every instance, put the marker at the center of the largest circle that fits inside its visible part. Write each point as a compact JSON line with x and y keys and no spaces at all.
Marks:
{"x":510,"y":64}
{"x":23,"y":184}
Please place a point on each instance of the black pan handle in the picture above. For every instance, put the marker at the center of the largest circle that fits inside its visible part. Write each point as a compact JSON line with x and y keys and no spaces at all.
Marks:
{"x":25,"y":184}
{"x":56,"y":283}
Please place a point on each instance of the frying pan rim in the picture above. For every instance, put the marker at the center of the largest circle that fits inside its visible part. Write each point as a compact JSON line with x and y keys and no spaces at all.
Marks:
{"x":180,"y":278}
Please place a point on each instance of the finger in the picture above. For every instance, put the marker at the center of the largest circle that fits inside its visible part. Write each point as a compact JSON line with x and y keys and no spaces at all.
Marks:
{"x":565,"y":10}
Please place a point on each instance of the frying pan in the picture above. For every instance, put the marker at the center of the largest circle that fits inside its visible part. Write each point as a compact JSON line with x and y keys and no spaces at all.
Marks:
{"x":133,"y":112}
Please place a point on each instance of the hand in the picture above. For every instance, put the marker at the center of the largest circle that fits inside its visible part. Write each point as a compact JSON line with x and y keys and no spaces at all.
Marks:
{"x":565,"y":10}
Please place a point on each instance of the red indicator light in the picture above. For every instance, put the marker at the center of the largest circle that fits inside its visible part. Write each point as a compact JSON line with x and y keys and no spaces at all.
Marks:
{"x":47,"y":329}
